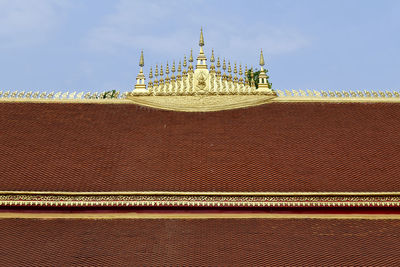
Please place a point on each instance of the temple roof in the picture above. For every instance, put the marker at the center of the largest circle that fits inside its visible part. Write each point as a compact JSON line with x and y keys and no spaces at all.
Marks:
{"x":191,"y":242}
{"x":276,"y":147}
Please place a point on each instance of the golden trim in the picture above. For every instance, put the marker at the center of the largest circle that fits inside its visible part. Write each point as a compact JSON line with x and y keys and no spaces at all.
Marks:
{"x":194,"y":216}
{"x":197,"y":200}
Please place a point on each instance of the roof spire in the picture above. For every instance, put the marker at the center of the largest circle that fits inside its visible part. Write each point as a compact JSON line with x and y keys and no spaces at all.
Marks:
{"x":191,"y":55}
{"x":141,"y":62}
{"x":201,"y":42}
{"x":212,"y":59}
{"x":261,"y":60}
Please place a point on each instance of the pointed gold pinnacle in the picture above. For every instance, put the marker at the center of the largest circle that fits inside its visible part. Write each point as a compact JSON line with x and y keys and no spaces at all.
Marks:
{"x":235,"y":69}
{"x":184,"y":62}
{"x":151,"y":73}
{"x":191,"y":55}
{"x":212,"y":59}
{"x":179,"y":66}
{"x":167,"y":69}
{"x":261,"y":58}
{"x":141,"y":62}
{"x":161,"y":71}
{"x":218,"y":63}
{"x":173,"y":66}
{"x":156,"y":72}
{"x":224,"y":65}
{"x":229,"y":67}
{"x":240,"y":70}
{"x":201,"y":42}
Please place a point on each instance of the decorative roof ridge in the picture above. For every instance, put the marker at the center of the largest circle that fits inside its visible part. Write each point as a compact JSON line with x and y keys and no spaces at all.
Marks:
{"x":326,"y":94}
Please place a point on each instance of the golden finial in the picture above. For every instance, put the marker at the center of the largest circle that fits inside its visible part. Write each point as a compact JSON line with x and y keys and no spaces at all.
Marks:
{"x":179,"y":66}
{"x":161,"y":71}
{"x":184,"y":62}
{"x":156,"y":72}
{"x":141,"y":62}
{"x":218,"y":63}
{"x":173,"y":66}
{"x":191,"y":55}
{"x":201,"y":42}
{"x":212,"y":59}
{"x":224,"y":65}
{"x":151,"y":73}
{"x":261,"y":59}
{"x":245,"y":70}
{"x":240,"y":69}
{"x":235,"y":69}
{"x":229,"y":67}
{"x":167,"y":69}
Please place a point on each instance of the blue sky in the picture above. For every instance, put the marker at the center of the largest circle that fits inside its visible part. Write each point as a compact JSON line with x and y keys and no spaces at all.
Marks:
{"x":94,"y":45}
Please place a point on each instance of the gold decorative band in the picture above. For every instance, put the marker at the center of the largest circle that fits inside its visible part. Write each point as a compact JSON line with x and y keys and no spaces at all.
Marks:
{"x":193,"y":216}
{"x":201,"y":200}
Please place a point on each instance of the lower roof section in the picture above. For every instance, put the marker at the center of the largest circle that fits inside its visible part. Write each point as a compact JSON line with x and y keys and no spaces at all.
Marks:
{"x":276,"y":147}
{"x":200,"y":242}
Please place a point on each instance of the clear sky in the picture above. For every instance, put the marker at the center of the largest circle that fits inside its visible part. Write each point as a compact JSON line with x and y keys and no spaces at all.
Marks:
{"x":94,"y":45}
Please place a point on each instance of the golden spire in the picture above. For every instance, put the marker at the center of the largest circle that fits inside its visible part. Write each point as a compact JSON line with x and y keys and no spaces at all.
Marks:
{"x":261,"y":60}
{"x":141,"y":62}
{"x":161,"y":71}
{"x":151,"y":73}
{"x":156,"y":72}
{"x":235,"y":69}
{"x":167,"y":69}
{"x":212,"y":59}
{"x":179,"y":67}
{"x":173,"y":66}
{"x":224,"y":65}
{"x":218,"y":63}
{"x":245,"y":70}
{"x":201,"y":42}
{"x":240,"y":70}
{"x":191,"y":55}
{"x":229,"y":67}
{"x":184,"y":62}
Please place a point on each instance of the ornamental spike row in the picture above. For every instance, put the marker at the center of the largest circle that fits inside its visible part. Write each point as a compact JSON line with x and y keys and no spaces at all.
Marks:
{"x":307,"y":93}
{"x":62,"y":95}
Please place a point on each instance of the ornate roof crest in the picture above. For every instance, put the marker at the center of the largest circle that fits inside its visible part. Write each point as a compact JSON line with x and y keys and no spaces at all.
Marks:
{"x":201,"y":88}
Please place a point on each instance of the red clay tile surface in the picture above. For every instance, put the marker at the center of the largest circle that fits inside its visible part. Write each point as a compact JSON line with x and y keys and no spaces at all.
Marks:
{"x":275,"y":147}
{"x":207,"y":242}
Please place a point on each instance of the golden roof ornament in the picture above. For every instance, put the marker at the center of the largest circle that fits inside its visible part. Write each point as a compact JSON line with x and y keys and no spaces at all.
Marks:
{"x":140,"y":79}
{"x":201,"y":42}
{"x":212,"y":59}
{"x":203,"y":88}
{"x":184,"y":62}
{"x":261,"y":60}
{"x":191,"y":55}
{"x":141,"y":62}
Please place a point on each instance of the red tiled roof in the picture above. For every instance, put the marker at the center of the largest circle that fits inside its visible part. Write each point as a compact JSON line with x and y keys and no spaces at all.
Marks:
{"x":274,"y":147}
{"x":199,"y":242}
